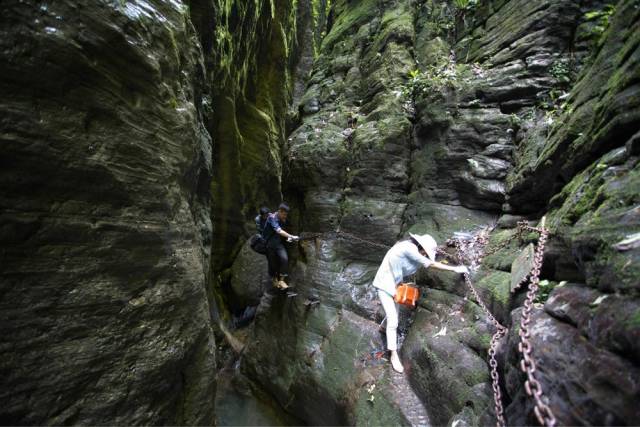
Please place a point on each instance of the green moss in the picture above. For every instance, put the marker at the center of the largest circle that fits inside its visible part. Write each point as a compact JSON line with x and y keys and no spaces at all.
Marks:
{"x":251,"y":60}
{"x":500,"y":237}
{"x":434,"y":79}
{"x":320,"y":11}
{"x":596,"y":204}
{"x":594,"y":120}
{"x":634,"y":319}
{"x":503,"y":258}
{"x":597,"y":21}
{"x":498,"y":285}
{"x":485,"y":340}
{"x":578,"y":197}
{"x":349,"y":17}
{"x":545,"y":288}
{"x":377,"y":409}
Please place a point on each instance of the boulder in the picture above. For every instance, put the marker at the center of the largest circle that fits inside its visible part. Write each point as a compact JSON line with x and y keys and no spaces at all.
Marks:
{"x":249,"y":277}
{"x":488,"y":167}
{"x":447,"y":346}
{"x":608,"y":321}
{"x":587,"y":385}
{"x":522,"y":267}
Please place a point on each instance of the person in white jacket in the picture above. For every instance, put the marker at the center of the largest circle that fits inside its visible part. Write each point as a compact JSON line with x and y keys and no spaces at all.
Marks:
{"x":402,"y":260}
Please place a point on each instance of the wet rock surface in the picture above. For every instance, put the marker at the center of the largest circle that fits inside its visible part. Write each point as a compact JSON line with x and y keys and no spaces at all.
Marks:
{"x":446,"y":348}
{"x":404,"y":128}
{"x":104,"y":216}
{"x":249,"y":277}
{"x":140,"y":137}
{"x":240,"y":403}
{"x":579,"y":378}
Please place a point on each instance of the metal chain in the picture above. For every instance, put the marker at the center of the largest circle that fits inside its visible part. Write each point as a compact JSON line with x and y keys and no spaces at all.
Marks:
{"x":360,"y":239}
{"x":495,"y":378}
{"x":467,"y":280}
{"x":532,"y":386}
{"x":495,"y":339}
{"x":339,"y":234}
{"x":516,"y":235}
{"x":542,"y":411}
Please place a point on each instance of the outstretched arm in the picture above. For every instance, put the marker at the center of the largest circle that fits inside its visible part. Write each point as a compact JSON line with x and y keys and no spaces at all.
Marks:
{"x":457,"y":268}
{"x":286,"y":235}
{"x":276,"y":227}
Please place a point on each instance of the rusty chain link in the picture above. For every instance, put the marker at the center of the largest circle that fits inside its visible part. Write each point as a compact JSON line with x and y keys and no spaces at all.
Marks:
{"x":495,"y":339}
{"x":339,"y":233}
{"x":516,"y":235}
{"x":533,"y":388}
{"x":495,"y":378}
{"x":467,"y":280}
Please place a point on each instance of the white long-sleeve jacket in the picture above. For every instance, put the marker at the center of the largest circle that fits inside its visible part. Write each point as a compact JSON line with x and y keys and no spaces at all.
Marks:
{"x":402,"y":260}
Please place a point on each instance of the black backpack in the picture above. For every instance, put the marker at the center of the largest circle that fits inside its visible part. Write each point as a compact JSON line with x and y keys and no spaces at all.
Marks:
{"x":258,"y":244}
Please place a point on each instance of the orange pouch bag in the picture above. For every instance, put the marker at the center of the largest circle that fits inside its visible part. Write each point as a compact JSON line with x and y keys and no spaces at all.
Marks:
{"x":407,"y":295}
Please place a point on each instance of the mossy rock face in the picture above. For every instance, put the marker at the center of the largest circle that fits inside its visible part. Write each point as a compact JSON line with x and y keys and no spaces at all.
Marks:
{"x":494,"y":289}
{"x":603,"y":113}
{"x":503,"y":258}
{"x":447,"y":344}
{"x":253,"y":57}
{"x":375,"y":409}
{"x":386,"y":129}
{"x":326,"y":377}
{"x":595,"y":211}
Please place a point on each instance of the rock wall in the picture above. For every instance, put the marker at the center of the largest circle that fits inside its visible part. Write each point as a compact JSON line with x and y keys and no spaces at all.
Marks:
{"x":355,"y":164}
{"x":586,"y":172}
{"x":140,"y":137}
{"x":135,"y":132}
{"x":104,"y":215}
{"x":349,"y":167}
{"x":428,"y":117}
{"x":259,"y":54}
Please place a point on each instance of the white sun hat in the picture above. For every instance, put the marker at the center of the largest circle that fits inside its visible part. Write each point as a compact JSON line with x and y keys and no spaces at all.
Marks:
{"x":428,"y":243}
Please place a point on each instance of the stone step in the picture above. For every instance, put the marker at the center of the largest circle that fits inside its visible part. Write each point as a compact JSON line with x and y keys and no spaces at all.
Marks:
{"x":405,"y":398}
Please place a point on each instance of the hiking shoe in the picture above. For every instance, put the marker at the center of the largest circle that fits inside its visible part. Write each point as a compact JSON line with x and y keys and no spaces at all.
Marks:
{"x":396,"y":363}
{"x":282,"y":284}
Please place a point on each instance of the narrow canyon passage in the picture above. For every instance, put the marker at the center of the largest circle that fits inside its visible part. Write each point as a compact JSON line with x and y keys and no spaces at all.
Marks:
{"x":140,"y":138}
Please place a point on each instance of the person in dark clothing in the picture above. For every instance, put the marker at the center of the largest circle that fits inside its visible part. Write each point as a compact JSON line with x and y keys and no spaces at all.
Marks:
{"x":261,"y":219}
{"x":276,"y":252}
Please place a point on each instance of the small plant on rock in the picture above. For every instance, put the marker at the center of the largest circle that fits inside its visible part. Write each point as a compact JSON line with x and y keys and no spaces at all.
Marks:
{"x":434,"y":79}
{"x":515,"y":122}
{"x":556,"y":102}
{"x":465,"y":5}
{"x":562,"y":72}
